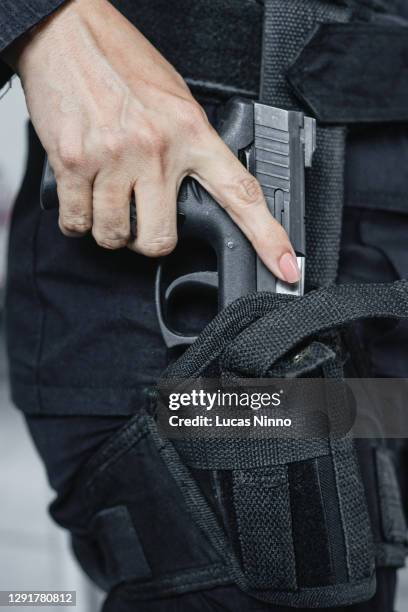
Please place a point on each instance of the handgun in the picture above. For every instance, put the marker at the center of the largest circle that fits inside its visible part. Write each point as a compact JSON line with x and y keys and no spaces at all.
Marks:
{"x":276,"y":146}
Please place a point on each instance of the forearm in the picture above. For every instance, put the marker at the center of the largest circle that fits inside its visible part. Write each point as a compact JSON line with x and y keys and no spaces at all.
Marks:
{"x":17,"y":17}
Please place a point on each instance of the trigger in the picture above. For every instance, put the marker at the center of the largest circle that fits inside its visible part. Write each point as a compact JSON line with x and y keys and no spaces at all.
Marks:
{"x":207,"y":280}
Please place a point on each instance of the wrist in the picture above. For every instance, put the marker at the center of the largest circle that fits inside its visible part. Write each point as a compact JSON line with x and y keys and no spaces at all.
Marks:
{"x":11,"y":55}
{"x":66,"y":29}
{"x":15,"y":55}
{"x":60,"y":24}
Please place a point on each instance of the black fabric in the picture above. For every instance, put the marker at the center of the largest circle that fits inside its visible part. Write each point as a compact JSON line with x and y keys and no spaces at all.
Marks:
{"x":5,"y":73}
{"x":309,"y":526}
{"x":374,"y":248}
{"x":267,"y":338}
{"x":65,"y":444}
{"x":129,"y":500}
{"x":373,"y":180}
{"x":228,"y":599}
{"x":215,"y":46}
{"x":401,"y":8}
{"x":393,"y":524}
{"x":209,"y":43}
{"x":18,"y":16}
{"x":254,"y":504}
{"x":326,"y":479}
{"x":81,"y":323}
{"x":372,"y":88}
{"x":283,"y":324}
{"x":120,"y":545}
{"x":394,"y":7}
{"x":263,"y":520}
{"x":117,"y":603}
{"x":62,"y":440}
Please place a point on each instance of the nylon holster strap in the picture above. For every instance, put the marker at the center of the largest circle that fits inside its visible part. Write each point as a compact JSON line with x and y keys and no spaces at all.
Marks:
{"x":288,"y":25}
{"x":275,"y":334}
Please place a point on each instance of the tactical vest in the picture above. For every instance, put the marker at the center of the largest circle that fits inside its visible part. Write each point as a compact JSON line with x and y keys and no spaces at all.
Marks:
{"x":303,"y":523}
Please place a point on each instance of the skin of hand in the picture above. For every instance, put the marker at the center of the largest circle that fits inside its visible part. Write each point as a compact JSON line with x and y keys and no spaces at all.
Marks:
{"x":115,"y":118}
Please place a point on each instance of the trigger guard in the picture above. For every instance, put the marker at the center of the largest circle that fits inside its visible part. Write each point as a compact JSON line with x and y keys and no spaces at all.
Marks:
{"x":205,"y":279}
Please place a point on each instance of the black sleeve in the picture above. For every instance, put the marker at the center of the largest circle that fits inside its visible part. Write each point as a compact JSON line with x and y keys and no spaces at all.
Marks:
{"x":16,"y":18}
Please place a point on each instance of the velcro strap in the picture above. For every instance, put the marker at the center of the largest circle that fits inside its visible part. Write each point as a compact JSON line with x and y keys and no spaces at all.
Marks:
{"x":120,"y":546}
{"x":263,"y":514}
{"x":354,"y":73}
{"x":215,"y":46}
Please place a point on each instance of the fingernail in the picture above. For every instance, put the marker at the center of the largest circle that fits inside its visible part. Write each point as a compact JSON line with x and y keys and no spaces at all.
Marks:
{"x":289,"y":268}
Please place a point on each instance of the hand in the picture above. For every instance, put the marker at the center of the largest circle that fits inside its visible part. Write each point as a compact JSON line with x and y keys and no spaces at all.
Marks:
{"x":115,"y":118}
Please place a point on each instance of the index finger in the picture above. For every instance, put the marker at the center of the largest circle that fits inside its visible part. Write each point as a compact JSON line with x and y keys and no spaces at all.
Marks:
{"x":240,"y":194}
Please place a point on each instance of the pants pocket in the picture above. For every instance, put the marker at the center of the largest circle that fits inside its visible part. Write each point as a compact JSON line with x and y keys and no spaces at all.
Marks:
{"x":140,"y":526}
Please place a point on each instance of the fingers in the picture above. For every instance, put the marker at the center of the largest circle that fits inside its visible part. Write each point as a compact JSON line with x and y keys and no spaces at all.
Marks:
{"x":75,"y":200}
{"x":104,"y":208}
{"x":156,"y":206}
{"x":240,"y":194}
{"x":111,"y":200}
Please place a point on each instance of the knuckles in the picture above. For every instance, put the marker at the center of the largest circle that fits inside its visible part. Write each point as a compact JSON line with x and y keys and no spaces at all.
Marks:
{"x":75,"y":222}
{"x":191,"y":116}
{"x":185,"y":116}
{"x":110,"y":242}
{"x":143,"y":139}
{"x":242,"y":193}
{"x":111,"y":232}
{"x":250,"y":191}
{"x":151,"y":141}
{"x":158,"y":247}
{"x":112,"y":145}
{"x":72,"y":158}
{"x":74,"y":227}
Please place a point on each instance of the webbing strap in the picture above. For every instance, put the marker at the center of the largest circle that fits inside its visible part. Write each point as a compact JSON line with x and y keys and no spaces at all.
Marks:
{"x":268,"y":339}
{"x":287,"y":27}
{"x":246,"y":454}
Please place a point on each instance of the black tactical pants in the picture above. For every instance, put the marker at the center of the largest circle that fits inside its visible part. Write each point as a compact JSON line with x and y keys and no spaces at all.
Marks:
{"x":373,"y":249}
{"x":65,"y":443}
